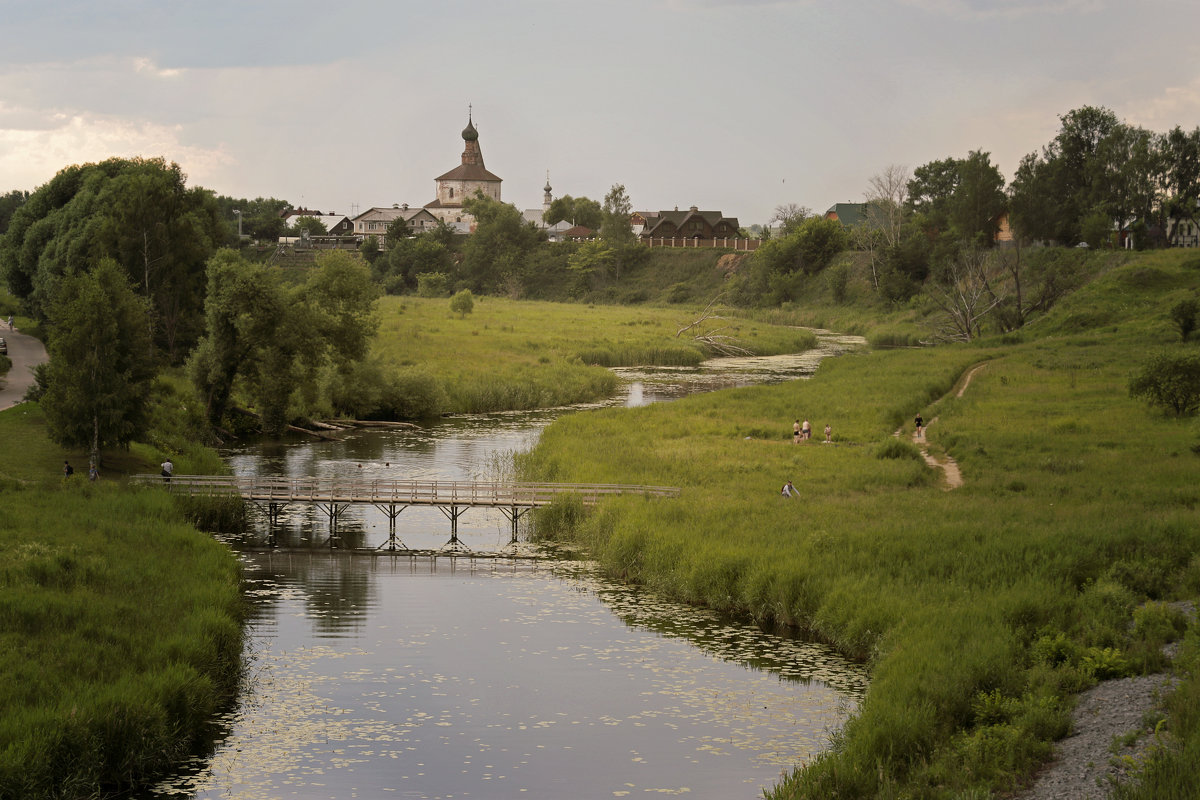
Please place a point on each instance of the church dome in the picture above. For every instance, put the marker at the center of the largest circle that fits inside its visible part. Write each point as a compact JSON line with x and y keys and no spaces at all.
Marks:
{"x":469,"y":133}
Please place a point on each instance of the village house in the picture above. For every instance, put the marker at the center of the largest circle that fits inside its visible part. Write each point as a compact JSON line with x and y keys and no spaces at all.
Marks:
{"x":375,"y":221}
{"x":690,"y":224}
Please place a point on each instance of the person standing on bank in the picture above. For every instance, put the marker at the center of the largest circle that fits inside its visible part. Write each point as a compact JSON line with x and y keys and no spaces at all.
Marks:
{"x":167,"y":469}
{"x":828,"y":433}
{"x":806,"y":430}
{"x":68,"y":470}
{"x":796,"y":432}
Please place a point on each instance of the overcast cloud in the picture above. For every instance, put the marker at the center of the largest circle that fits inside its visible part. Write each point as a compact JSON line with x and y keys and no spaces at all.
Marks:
{"x":737,"y":106}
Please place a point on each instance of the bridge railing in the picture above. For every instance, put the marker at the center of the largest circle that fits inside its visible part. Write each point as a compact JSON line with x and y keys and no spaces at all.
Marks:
{"x":408,"y":492}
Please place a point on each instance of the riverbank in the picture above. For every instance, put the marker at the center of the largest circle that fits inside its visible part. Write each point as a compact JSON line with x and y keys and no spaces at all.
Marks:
{"x":119,"y":622}
{"x":509,"y":355}
{"x":983,"y":611}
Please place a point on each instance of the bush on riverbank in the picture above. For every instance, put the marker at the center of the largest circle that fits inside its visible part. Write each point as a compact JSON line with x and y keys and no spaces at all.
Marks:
{"x":982,"y":610}
{"x":119,"y":623}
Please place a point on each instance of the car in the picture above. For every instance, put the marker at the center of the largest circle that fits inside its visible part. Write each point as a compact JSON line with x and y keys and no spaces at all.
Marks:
{"x":3,"y":348}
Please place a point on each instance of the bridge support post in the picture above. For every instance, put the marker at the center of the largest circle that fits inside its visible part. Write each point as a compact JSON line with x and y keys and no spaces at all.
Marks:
{"x":514,"y":515}
{"x":452,"y":513}
{"x":333,"y":511}
{"x":391,"y":510}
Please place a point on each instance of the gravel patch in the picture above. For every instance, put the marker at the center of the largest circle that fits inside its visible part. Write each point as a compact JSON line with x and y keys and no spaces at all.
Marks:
{"x":1083,"y":761}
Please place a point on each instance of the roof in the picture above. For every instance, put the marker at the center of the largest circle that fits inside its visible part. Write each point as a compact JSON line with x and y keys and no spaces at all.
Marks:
{"x":468,"y":172}
{"x":849,"y":214}
{"x":679,"y":218}
{"x":330,"y":221}
{"x":578,"y":232}
{"x":389,"y":214}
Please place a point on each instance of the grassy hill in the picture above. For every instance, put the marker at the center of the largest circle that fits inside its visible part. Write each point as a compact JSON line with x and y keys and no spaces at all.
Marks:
{"x":982,"y":610}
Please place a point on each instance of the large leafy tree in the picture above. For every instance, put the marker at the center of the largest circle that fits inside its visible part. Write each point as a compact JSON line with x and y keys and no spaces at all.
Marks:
{"x":1055,"y":190}
{"x":99,"y":374}
{"x":9,"y":203}
{"x":616,"y":226}
{"x":270,"y":344}
{"x":138,"y":212}
{"x":978,"y":200}
{"x":496,"y":251}
{"x":576,"y":210}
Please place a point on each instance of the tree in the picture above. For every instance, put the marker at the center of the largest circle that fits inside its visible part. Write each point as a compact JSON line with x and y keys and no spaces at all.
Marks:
{"x":138,"y":212}
{"x":1171,"y":382}
{"x":592,"y":258}
{"x":978,"y":200}
{"x":99,"y":374}
{"x":616,"y":227}
{"x":397,"y":230}
{"x":884,"y":215}
{"x":270,"y":343}
{"x":1181,"y":157}
{"x":311,"y":225}
{"x":790,"y":216}
{"x":818,"y":240}
{"x":462,"y":303}
{"x":1184,"y":316}
{"x":575,"y":210}
{"x":9,"y":203}
{"x":497,"y":248}
{"x":965,"y":297}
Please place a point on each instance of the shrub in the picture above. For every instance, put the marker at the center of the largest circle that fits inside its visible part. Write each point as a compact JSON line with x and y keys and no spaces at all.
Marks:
{"x":462,"y":303}
{"x":1171,"y":382}
{"x":1184,"y":316}
{"x":433,"y":284}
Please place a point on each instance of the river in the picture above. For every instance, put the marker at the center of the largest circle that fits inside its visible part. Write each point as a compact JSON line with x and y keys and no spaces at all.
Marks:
{"x":380,"y":676}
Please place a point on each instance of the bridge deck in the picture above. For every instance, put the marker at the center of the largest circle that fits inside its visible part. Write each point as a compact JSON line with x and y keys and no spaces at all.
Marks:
{"x":400,"y":492}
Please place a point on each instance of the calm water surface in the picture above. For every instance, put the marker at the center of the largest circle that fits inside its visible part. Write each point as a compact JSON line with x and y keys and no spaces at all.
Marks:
{"x":453,"y":678}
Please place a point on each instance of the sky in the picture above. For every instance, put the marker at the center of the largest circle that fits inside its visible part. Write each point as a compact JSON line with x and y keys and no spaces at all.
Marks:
{"x":737,"y":106}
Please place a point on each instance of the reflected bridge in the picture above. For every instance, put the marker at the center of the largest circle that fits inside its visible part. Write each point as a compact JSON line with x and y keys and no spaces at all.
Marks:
{"x":453,"y":498}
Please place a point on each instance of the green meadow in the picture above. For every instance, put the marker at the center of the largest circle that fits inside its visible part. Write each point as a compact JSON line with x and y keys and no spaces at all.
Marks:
{"x":120,"y":626}
{"x":981,"y":611}
{"x":511,"y":355}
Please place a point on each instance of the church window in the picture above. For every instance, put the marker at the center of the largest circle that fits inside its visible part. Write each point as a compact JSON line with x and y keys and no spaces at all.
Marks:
{"x":452,"y":194}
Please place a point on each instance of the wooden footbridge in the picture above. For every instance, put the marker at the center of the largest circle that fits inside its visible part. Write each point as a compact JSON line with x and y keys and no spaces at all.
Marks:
{"x":453,"y":498}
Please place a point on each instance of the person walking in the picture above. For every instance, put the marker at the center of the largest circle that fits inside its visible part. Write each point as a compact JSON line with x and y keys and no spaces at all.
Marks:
{"x":167,"y":469}
{"x":796,"y":432}
{"x":828,"y":433}
{"x":93,"y":473}
{"x":68,"y":470}
{"x":920,"y":425}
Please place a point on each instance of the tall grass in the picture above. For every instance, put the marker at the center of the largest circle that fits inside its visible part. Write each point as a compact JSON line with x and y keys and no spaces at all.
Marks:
{"x":981,"y":611}
{"x":119,"y":638}
{"x":119,"y":623}
{"x":509,"y":355}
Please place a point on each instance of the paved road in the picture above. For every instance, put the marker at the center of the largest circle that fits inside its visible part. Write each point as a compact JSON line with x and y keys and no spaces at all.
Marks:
{"x":25,"y":352}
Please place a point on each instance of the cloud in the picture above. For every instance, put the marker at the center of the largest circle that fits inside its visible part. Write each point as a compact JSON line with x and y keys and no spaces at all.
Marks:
{"x":1004,"y":9}
{"x":1171,"y":106}
{"x":32,"y":154}
{"x":146,"y":65}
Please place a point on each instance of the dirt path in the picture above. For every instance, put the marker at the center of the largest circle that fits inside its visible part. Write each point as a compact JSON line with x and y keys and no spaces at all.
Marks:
{"x":949,"y":467}
{"x":25,"y":352}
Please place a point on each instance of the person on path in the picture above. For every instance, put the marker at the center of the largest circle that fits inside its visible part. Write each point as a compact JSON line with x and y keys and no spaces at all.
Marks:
{"x":788,"y":490}
{"x":920,"y":423}
{"x":806,"y":430}
{"x":68,"y":470}
{"x":167,"y":469}
{"x":10,"y":327}
{"x":796,"y":432}
{"x":828,"y":433}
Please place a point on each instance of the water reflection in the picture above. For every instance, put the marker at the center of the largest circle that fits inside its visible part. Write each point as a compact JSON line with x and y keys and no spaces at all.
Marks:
{"x":372,"y":675}
{"x":505,"y":681}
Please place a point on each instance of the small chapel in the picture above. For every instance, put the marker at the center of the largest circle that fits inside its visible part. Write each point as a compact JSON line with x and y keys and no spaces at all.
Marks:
{"x":463,"y":181}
